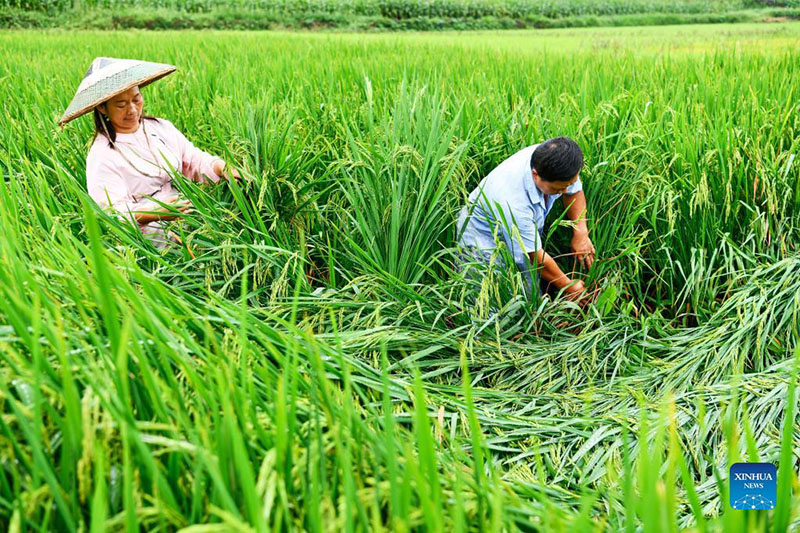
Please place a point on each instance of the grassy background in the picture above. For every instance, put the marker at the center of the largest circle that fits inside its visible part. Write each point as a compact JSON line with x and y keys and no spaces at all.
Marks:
{"x":383,"y":14}
{"x":318,"y":365}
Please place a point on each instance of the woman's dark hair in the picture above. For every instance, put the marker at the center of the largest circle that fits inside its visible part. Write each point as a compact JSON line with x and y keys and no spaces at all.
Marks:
{"x":557,"y":159}
{"x":101,"y":120}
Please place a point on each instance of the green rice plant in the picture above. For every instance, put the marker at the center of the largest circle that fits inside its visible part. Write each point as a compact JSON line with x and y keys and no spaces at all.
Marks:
{"x":322,"y":363}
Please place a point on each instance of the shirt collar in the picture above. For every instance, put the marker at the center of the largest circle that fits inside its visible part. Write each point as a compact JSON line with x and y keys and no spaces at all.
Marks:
{"x":534,"y":194}
{"x":130,"y":137}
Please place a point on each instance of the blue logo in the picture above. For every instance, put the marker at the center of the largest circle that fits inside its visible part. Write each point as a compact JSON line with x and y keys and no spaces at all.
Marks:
{"x":753,"y":486}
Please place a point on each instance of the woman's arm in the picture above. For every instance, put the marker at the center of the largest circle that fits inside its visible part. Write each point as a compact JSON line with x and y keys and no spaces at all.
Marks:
{"x":222,"y":170}
{"x":196,"y":164}
{"x":108,"y":189}
{"x":170,"y":212}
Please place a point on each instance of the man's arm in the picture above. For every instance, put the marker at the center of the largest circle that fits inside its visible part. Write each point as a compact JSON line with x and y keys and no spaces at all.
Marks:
{"x":581,"y":244}
{"x":553,"y":276}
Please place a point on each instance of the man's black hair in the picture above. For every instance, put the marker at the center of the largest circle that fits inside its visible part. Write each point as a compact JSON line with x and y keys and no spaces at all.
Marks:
{"x":557,"y":159}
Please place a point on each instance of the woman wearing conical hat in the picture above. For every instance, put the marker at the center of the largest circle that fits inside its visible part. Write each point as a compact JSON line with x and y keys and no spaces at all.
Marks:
{"x":130,"y":162}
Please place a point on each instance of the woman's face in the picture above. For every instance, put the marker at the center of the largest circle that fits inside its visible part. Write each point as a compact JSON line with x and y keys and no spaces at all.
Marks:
{"x":124,"y":110}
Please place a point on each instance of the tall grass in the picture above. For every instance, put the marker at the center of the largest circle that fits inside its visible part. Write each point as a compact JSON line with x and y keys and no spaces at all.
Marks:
{"x":320,"y":364}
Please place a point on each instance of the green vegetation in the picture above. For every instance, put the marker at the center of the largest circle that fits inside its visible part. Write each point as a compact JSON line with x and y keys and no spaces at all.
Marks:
{"x":383,"y":14}
{"x":415,"y":8}
{"x":318,"y":365}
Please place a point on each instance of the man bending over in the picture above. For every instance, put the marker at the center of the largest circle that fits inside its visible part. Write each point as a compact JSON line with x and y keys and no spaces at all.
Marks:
{"x":513,"y":201}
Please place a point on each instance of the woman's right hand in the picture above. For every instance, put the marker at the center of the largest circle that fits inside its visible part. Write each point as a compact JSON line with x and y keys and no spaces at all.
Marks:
{"x":184,"y":206}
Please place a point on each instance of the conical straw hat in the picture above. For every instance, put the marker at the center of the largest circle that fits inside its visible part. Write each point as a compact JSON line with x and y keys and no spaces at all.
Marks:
{"x":108,"y":77}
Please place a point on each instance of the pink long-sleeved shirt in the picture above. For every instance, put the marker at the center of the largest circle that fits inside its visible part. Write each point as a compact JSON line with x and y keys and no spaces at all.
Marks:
{"x":114,"y":183}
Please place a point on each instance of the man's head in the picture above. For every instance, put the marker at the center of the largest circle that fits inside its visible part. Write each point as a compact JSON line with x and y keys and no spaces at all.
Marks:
{"x":555,"y":164}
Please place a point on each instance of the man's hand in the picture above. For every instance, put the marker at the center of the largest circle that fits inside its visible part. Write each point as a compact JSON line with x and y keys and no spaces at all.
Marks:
{"x":582,"y":246}
{"x":575,"y":291}
{"x":583,"y":249}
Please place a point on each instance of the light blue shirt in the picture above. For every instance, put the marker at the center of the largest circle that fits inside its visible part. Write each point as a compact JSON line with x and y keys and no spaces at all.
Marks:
{"x":508,"y":204}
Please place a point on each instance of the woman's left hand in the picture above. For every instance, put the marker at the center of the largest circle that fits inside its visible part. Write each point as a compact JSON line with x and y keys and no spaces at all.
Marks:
{"x":224,"y":171}
{"x":233,"y":173}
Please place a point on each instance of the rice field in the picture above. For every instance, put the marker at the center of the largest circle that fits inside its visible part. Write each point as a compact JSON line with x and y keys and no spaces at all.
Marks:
{"x":319,"y":364}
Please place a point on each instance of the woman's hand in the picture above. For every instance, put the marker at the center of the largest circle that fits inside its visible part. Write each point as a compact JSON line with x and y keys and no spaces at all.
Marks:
{"x":224,"y":171}
{"x":184,"y":207}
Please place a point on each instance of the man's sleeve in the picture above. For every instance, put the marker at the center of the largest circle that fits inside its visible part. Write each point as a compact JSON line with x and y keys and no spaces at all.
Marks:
{"x":518,"y":227}
{"x":575,"y":187}
{"x":528,"y":231}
